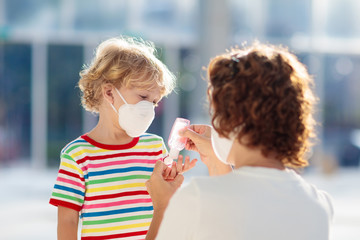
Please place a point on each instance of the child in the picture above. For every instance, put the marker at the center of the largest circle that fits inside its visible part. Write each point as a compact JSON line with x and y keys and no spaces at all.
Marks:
{"x":103,"y":173}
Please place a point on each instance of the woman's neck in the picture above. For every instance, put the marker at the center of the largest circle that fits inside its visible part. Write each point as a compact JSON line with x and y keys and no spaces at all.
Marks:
{"x":241,"y":156}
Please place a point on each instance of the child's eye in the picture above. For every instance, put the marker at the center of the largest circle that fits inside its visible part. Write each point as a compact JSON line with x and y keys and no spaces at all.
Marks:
{"x":143,"y":97}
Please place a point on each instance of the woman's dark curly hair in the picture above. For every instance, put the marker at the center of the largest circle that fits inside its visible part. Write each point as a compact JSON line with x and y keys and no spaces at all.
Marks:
{"x":264,"y":93}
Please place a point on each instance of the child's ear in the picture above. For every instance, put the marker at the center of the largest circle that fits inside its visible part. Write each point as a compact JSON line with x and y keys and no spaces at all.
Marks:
{"x":107,"y":92}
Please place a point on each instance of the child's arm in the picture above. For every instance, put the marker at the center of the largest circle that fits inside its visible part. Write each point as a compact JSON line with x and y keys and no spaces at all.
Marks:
{"x":160,"y":191}
{"x":68,"y":220}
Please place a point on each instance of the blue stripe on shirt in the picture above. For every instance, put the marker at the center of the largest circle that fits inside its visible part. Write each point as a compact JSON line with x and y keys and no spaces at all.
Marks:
{"x":68,"y":189}
{"x":120,"y":170}
{"x":119,"y":211}
{"x":72,"y":143}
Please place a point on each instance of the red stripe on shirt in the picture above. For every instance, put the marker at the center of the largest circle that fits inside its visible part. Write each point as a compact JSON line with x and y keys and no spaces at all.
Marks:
{"x":116,"y":236}
{"x":116,"y":195}
{"x":57,"y":203}
{"x":71,"y":174}
{"x":131,"y":144}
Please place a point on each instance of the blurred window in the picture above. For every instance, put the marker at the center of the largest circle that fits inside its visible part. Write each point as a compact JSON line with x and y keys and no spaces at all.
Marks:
{"x":64,"y":108}
{"x":342,"y":90}
{"x":343,"y":18}
{"x":286,"y":18}
{"x":188,"y":80}
{"x":241,"y":20}
{"x":37,"y":14}
{"x":159,"y":12}
{"x":156,"y":126}
{"x":102,"y":15}
{"x":15,"y":124}
{"x":341,"y":107}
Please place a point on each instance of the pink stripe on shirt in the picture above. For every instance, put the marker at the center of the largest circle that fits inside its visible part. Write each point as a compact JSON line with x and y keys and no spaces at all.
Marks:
{"x":70,"y":182}
{"x":112,"y":163}
{"x":112,"y":204}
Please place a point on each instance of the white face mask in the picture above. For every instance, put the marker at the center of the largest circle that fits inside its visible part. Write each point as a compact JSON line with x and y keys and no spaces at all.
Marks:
{"x":221,"y":146}
{"x":135,"y":119}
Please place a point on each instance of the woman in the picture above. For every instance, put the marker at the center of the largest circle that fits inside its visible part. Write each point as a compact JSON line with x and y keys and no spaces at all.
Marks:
{"x":261,"y":106}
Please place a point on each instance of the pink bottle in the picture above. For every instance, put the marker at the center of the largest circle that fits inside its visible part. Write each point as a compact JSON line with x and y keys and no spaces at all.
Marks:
{"x":176,"y":143}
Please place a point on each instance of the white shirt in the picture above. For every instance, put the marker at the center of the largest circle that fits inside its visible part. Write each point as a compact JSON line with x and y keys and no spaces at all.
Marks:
{"x":252,"y":203}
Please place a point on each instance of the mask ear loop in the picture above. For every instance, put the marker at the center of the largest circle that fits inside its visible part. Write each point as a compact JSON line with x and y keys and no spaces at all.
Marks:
{"x":121,"y":95}
{"x":113,"y":108}
{"x":112,"y":105}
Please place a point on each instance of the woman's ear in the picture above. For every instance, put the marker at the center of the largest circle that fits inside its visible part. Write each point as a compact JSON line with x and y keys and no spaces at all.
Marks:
{"x":107,"y":92}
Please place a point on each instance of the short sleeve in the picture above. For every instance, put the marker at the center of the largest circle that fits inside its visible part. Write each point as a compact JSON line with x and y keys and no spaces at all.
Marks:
{"x":182,"y":215}
{"x":69,"y":189}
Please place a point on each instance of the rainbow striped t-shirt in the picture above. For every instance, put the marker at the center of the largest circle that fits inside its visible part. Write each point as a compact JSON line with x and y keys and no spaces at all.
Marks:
{"x":106,"y":184}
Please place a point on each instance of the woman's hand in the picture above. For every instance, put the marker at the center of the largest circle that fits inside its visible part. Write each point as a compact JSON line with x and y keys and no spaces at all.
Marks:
{"x":178,"y":167}
{"x":195,"y":133}
{"x":199,"y":140}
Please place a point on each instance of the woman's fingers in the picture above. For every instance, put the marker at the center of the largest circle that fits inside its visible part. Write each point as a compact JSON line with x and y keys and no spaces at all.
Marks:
{"x":188,"y":164}
{"x":190,"y":134}
{"x":192,"y":163}
{"x":190,"y":145}
{"x":179,"y":164}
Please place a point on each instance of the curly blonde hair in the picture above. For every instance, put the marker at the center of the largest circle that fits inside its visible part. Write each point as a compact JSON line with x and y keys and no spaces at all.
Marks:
{"x":264,"y":93}
{"x":123,"y":61}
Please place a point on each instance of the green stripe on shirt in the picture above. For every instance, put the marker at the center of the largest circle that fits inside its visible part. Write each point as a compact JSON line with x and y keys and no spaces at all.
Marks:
{"x":68,"y":197}
{"x":76,"y":146}
{"x":118,"y":179}
{"x":64,"y":155}
{"x":118,"y":219}
{"x":150,"y":140}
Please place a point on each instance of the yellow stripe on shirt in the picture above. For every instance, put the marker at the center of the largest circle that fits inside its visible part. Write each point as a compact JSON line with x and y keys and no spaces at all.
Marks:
{"x":148,"y":146}
{"x":116,"y":187}
{"x":65,"y":164}
{"x":107,"y":229}
{"x":74,"y":155}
